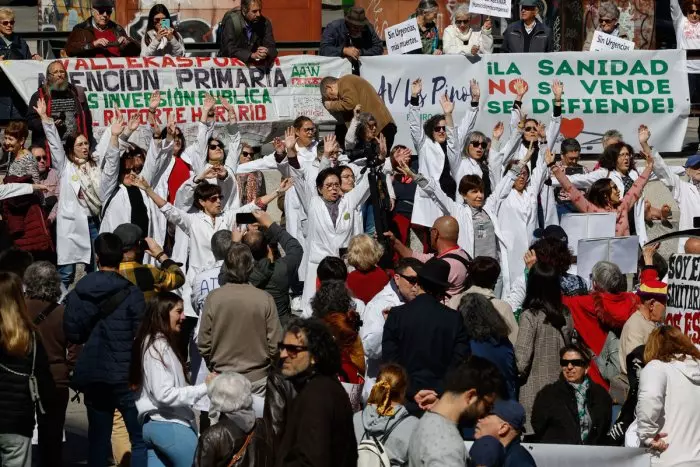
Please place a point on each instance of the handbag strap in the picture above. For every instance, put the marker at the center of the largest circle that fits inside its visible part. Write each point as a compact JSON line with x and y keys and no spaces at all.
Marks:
{"x":45,"y":313}
{"x":239,"y":455}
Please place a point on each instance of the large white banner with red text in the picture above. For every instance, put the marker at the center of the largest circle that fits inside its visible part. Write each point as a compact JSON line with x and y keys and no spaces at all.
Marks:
{"x":264,"y":99}
{"x":602,"y":91}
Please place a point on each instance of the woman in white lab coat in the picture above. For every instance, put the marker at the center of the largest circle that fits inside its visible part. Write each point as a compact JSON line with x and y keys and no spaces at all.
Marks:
{"x":430,"y":141}
{"x":331,"y":215}
{"x":82,"y":191}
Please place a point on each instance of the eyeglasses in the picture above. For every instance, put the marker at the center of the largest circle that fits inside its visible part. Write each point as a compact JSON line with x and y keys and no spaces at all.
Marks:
{"x":292,"y":349}
{"x":530,"y":128}
{"x":606,"y":20}
{"x":483,"y":144}
{"x":9,"y":22}
{"x":104,"y":11}
{"x":309,"y":129}
{"x":439,"y":129}
{"x":697,"y":12}
{"x":578,"y":362}
{"x":372,"y":126}
{"x":214,"y":198}
{"x":413,"y":280}
{"x":42,"y":158}
{"x":330,"y":186}
{"x":214,"y":147}
{"x":461,"y":21}
{"x":246,"y":153}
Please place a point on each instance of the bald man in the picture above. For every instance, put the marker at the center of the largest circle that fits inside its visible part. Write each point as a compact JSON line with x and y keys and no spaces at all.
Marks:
{"x":692,"y":246}
{"x":443,"y":240}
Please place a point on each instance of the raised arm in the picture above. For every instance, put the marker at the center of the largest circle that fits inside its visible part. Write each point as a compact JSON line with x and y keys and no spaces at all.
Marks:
{"x":109,"y":175}
{"x":575,"y":195}
{"x":58,"y":154}
{"x":414,"y":121}
{"x":555,"y":123}
{"x":516,"y":116}
{"x":541,"y":172}
{"x":468,"y":123}
{"x":233,"y":137}
{"x":205,"y":128}
{"x":432,"y":189}
{"x":173,"y":214}
{"x":634,"y":193}
{"x":350,"y":141}
{"x":667,"y":176}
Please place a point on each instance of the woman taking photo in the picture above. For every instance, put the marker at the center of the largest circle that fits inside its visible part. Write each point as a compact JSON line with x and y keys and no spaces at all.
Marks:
{"x":545,"y":327}
{"x":160,"y":37}
{"x":385,"y":416}
{"x":668,"y":406}
{"x":25,"y":379}
{"x":165,"y":397}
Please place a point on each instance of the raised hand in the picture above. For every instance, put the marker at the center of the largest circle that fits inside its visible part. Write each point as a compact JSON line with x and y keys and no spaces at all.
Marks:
{"x":475,"y":90}
{"x":498,"y":131}
{"x":416,"y":87}
{"x":154,"y":101}
{"x":285,"y":185}
{"x":406,"y":170}
{"x":40,"y":109}
{"x":237,"y":234}
{"x":118,"y":125}
{"x":447,"y":105}
{"x":648,"y":158}
{"x":530,"y":152}
{"x":229,"y":108}
{"x":263,"y":218}
{"x":644,"y":135}
{"x":139,"y":181}
{"x":278,"y":144}
{"x":209,"y":103}
{"x":382,"y":146}
{"x":549,"y":157}
{"x":134,"y":123}
{"x":172,"y":128}
{"x":648,"y":253}
{"x":330,"y":147}
{"x":541,"y":131}
{"x":520,"y":88}
{"x":290,"y":139}
{"x":357,"y":111}
{"x":557,"y":89}
{"x":530,"y":259}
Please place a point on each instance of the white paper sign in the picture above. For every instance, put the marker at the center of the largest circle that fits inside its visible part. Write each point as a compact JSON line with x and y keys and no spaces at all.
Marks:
{"x":403,"y":37}
{"x":605,"y":42}
{"x":582,"y":226}
{"x":619,"y":250}
{"x":499,"y":8}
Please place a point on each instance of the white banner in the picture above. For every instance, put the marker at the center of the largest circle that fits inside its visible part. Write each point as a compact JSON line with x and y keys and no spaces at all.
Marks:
{"x":403,"y":37}
{"x":602,"y":91}
{"x":264,"y":99}
{"x":683,"y":306}
{"x":602,"y":42}
{"x":569,"y":455}
{"x":499,"y":8}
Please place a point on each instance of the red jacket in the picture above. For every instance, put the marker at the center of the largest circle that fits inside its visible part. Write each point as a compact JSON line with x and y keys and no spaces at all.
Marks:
{"x":26,"y":220}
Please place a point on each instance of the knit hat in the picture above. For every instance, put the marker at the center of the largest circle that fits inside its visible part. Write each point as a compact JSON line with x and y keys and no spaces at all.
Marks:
{"x":653,"y":289}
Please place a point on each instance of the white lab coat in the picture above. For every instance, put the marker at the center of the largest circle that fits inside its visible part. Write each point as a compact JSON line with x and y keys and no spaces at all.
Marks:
{"x":518,"y":214}
{"x":324,"y":238}
{"x":431,"y":161}
{"x":463,"y":213}
{"x":684,"y":193}
{"x":73,"y":243}
{"x":10,"y":190}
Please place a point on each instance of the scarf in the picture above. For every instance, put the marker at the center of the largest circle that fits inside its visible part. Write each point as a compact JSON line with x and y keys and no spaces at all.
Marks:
{"x":249,"y":186}
{"x":139,"y":212}
{"x":463,"y":36}
{"x":485,"y":178}
{"x":333,"y":209}
{"x":628,"y":182}
{"x":89,"y":178}
{"x":584,"y":417}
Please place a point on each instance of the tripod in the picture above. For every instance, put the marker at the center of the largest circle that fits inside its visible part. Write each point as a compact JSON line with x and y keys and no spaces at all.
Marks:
{"x":381,"y":204}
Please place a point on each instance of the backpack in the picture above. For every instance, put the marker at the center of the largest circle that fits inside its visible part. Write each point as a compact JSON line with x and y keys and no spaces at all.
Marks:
{"x":238,"y":24}
{"x":371,"y":451}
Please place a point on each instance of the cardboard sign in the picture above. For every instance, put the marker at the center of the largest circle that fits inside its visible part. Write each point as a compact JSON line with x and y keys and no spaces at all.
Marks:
{"x":607,"y":42}
{"x":499,"y":8}
{"x":583,"y":226}
{"x":619,"y":250}
{"x":683,"y":305}
{"x":403,"y":37}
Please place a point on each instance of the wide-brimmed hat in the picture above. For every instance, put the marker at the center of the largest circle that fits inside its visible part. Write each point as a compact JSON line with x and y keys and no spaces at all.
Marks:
{"x":356,"y":16}
{"x":436,"y":271}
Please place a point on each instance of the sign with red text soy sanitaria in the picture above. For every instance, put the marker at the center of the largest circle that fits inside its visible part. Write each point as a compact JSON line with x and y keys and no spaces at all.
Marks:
{"x":264,"y":99}
{"x":683,"y":305}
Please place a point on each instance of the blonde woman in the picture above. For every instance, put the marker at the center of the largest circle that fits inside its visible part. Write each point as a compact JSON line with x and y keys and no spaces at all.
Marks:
{"x":385,"y":417}
{"x":368,"y":279}
{"x":25,"y":378}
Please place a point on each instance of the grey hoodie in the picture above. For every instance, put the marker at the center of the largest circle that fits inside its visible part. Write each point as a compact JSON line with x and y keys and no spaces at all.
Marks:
{"x":370,"y":422}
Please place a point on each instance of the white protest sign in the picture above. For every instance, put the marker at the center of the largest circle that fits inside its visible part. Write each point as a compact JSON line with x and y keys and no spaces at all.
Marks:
{"x":602,"y":41}
{"x":499,"y":8}
{"x":683,"y":305}
{"x":403,"y":37}
{"x":583,"y":226}
{"x":619,"y":250}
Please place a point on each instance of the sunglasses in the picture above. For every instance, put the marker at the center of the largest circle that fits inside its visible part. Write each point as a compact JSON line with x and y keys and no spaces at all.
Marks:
{"x":214,"y":147}
{"x":607,"y":21}
{"x":483,"y":144}
{"x":529,"y":8}
{"x":104,"y":11}
{"x":309,"y":130}
{"x":697,"y":12}
{"x":461,"y":21}
{"x":438,"y":129}
{"x":135,"y":169}
{"x":413,"y":280}
{"x":291,"y":349}
{"x":530,"y":128}
{"x":245,"y":153}
{"x":214,"y":198}
{"x":576,"y":362}
{"x":42,"y":158}
{"x":10,"y":22}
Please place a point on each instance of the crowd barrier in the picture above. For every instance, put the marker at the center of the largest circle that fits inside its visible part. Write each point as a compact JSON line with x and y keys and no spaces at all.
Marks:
{"x":603,"y":90}
{"x":558,"y":455}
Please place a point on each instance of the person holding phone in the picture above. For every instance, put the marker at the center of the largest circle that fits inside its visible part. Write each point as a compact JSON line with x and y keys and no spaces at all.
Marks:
{"x":160,"y":37}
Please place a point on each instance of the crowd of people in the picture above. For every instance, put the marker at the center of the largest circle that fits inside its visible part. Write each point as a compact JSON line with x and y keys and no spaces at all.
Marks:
{"x":143,"y":271}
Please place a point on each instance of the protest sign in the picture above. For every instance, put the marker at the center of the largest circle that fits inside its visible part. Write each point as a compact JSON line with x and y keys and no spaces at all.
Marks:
{"x":683,"y":305}
{"x":499,"y":8}
{"x":602,"y":90}
{"x":263,"y":98}
{"x":583,"y":226}
{"x":403,"y":37}
{"x":619,"y":250}
{"x":602,"y":41}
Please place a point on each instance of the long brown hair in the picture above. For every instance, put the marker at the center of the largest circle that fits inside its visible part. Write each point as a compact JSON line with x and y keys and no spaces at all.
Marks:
{"x":344,"y":327}
{"x":156,"y":322}
{"x":667,"y":343}
{"x":391,"y":385}
{"x":15,"y":326}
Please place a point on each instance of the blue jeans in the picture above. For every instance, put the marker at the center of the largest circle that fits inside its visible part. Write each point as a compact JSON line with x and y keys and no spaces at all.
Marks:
{"x":169,"y":444}
{"x":368,"y":217}
{"x":67,"y":271}
{"x":101,"y":400}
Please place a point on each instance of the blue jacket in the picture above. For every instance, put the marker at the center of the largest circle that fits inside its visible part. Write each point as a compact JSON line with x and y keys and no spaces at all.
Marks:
{"x":518,"y":456}
{"x":12,"y":106}
{"x":106,"y":355}
{"x":502,"y":355}
{"x":335,"y":37}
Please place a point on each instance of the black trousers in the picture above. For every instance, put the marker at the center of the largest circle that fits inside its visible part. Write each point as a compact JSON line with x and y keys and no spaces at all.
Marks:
{"x":50,"y":427}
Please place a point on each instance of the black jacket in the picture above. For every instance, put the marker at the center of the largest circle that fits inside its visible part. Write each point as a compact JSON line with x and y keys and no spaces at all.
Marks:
{"x":106,"y":355}
{"x":555,"y":419}
{"x":336,"y":37}
{"x":514,"y":38}
{"x":319,"y":430}
{"x":235,"y":42}
{"x":12,"y":105}
{"x":219,"y":443}
{"x":275,"y":277}
{"x":16,"y":406}
{"x":427,"y":339}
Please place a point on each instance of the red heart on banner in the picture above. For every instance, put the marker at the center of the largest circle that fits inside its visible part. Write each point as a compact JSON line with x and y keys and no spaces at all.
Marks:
{"x":571,"y":128}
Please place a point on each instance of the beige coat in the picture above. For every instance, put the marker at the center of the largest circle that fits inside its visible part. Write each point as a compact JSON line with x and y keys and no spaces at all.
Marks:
{"x":503,"y":309}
